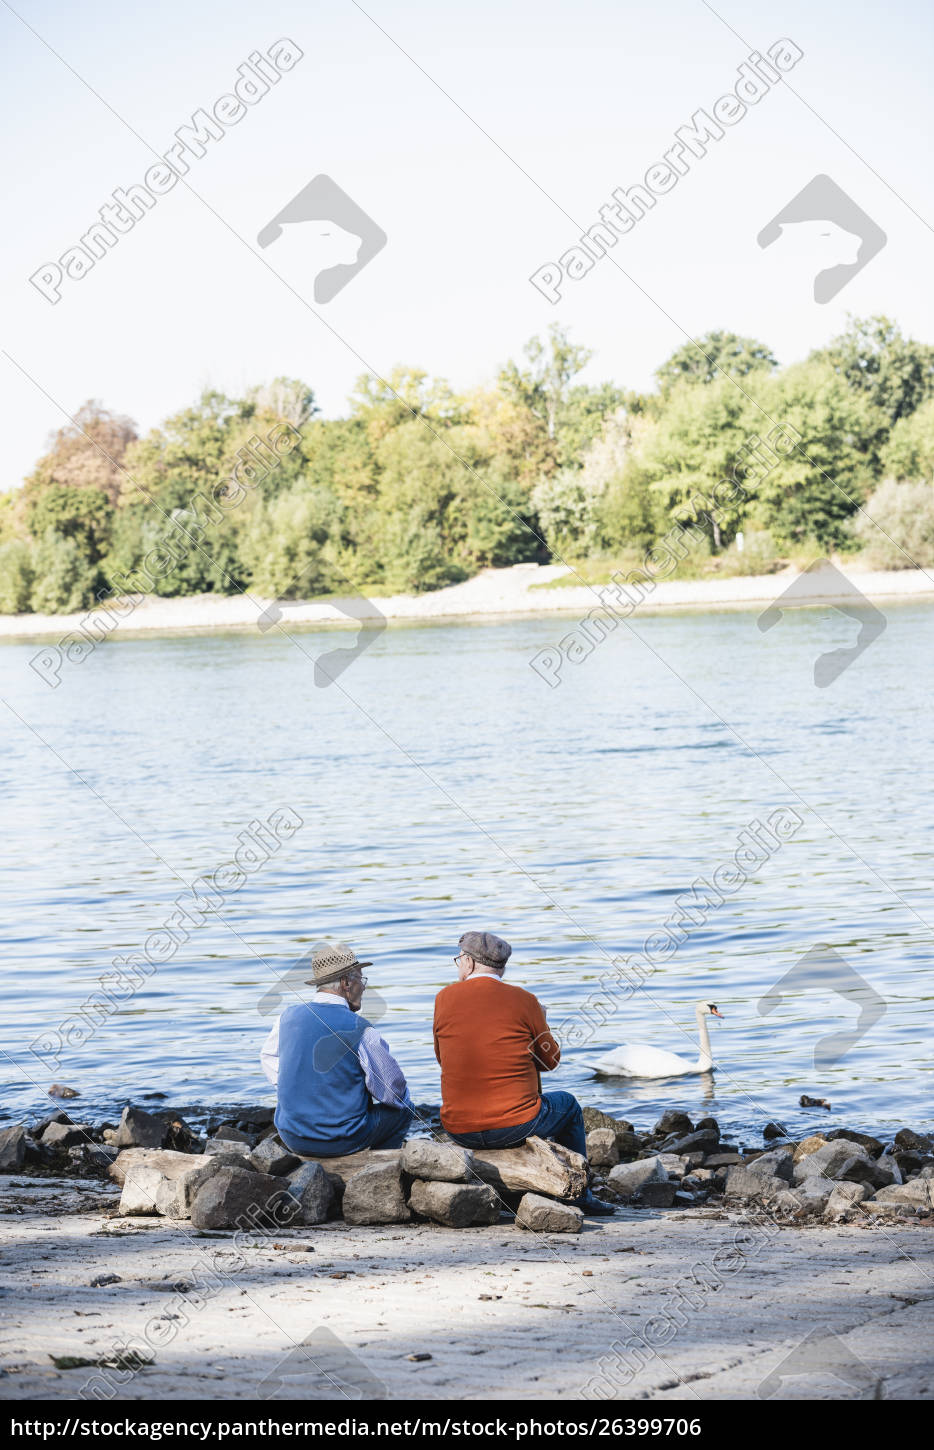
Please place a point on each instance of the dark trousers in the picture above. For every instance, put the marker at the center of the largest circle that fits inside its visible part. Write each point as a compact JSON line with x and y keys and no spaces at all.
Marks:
{"x":385,"y":1127}
{"x":559,"y":1117}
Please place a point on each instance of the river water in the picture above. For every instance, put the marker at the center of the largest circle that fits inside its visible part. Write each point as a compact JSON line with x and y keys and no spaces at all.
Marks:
{"x":441,"y":784}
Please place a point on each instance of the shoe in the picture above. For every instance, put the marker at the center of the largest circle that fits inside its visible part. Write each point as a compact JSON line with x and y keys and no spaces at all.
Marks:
{"x":593,"y":1207}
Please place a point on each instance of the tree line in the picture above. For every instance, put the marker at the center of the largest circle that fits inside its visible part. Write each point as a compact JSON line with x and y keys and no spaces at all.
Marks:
{"x":420,"y":486}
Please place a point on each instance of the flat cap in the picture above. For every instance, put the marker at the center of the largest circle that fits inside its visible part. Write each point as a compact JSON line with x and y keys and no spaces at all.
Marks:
{"x":484,"y":947}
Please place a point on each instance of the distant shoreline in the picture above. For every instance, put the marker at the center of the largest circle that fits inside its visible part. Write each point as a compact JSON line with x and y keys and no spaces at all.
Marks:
{"x":492,"y":594}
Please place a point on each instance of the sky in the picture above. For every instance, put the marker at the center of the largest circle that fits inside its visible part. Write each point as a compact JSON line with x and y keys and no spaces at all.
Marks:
{"x":470,"y":147}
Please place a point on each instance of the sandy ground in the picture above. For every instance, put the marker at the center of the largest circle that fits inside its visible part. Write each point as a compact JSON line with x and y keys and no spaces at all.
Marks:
{"x":494,"y":592}
{"x":499,"y":1312}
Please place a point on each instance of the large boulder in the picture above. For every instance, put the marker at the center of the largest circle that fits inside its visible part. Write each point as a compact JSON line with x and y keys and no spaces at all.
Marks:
{"x":312,"y":1190}
{"x":808,"y":1145}
{"x":65,"y":1135}
{"x":159,"y":1180}
{"x":777,"y":1163}
{"x":235,"y":1197}
{"x":12,"y":1149}
{"x":626,"y":1179}
{"x":674,"y":1123}
{"x":228,"y":1145}
{"x":437,"y":1162}
{"x":455,"y":1204}
{"x":844,"y":1199}
{"x":860,"y":1168}
{"x":602,"y":1150}
{"x":808,"y":1200}
{"x":166,"y":1160}
{"x":862,"y":1140}
{"x":919,"y":1193}
{"x":271,"y":1156}
{"x":905,"y":1138}
{"x":139,"y":1129}
{"x":827,"y":1160}
{"x":543,"y":1215}
{"x":177,"y":1194}
{"x":704,"y":1140}
{"x":743,"y":1181}
{"x":374,"y":1195}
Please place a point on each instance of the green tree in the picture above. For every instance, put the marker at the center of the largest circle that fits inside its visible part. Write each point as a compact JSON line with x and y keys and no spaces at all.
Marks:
{"x":909,"y":453}
{"x":543,"y":388}
{"x":711,"y":357}
{"x":82,"y":514}
{"x":63,"y":579}
{"x":16,"y":577}
{"x":895,"y":372}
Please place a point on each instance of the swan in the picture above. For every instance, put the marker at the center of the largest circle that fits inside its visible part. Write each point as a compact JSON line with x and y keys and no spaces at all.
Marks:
{"x":638,"y":1060}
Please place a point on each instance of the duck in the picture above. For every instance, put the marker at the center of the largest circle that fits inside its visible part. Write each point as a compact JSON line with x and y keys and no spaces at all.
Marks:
{"x":639,"y":1060}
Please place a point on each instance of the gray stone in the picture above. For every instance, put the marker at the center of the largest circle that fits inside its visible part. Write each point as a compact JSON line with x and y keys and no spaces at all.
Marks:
{"x":437,"y":1162}
{"x":594,"y":1118}
{"x":774,"y":1130}
{"x":710,"y":1123}
{"x":141,"y":1189}
{"x":862,"y":1140}
{"x":808,"y":1200}
{"x":234,"y":1197}
{"x":905,"y":1138}
{"x":705,"y":1140}
{"x":602,"y":1151}
{"x":882,"y":1208}
{"x":809,"y":1145}
{"x":744,"y":1182}
{"x":454,"y":1204}
{"x":827,"y":1160}
{"x":721,"y":1160}
{"x":169,"y":1163}
{"x":375,"y":1195}
{"x":312,"y":1190}
{"x":139,"y":1129}
{"x":843,"y":1200}
{"x":653,"y":1194}
{"x":270,"y":1156}
{"x":545,"y":1215}
{"x":628,"y":1144}
{"x":860,"y":1169}
{"x":673,"y":1122}
{"x":234,"y":1135}
{"x":778,"y":1163}
{"x":627,"y":1178}
{"x":227,"y":1145}
{"x":919,"y":1193}
{"x":12,"y":1149}
{"x":65,"y":1135}
{"x":178,"y":1193}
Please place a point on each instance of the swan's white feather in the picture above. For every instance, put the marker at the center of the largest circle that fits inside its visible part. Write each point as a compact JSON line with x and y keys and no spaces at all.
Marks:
{"x":639,"y":1060}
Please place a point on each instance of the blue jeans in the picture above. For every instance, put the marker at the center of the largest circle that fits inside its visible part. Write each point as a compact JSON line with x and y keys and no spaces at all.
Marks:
{"x":385,"y":1127}
{"x":559,"y":1117}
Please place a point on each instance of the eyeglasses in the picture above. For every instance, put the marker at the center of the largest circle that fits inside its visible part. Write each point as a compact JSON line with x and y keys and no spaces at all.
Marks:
{"x":362,"y":980}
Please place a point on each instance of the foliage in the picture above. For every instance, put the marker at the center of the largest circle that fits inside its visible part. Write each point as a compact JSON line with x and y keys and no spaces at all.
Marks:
{"x":897,"y":526}
{"x":709,"y":358}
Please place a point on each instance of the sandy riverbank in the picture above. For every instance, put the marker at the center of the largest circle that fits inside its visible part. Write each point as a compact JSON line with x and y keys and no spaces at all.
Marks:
{"x":501,"y":1312}
{"x":492,"y":593}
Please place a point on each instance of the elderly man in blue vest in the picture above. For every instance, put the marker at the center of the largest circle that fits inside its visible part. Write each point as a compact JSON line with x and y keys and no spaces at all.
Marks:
{"x":340,"y":1090}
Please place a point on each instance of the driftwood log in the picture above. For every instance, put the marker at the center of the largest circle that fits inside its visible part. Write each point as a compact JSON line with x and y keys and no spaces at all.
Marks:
{"x":537,"y":1167}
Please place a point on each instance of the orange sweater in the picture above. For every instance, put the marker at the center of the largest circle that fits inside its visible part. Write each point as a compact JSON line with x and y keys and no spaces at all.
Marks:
{"x":490,"y":1039}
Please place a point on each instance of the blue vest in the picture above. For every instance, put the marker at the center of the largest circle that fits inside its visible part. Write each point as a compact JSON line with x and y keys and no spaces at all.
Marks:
{"x":322,"y":1089}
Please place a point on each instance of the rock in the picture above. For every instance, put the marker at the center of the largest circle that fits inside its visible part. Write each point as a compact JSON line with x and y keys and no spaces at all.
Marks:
{"x":883,"y":1209}
{"x":543,"y":1215}
{"x":774,"y":1130}
{"x":778,"y":1163}
{"x":374,"y":1195}
{"x":454,"y":1204}
{"x":861,"y":1169}
{"x":706,"y":1124}
{"x":141,"y":1189}
{"x":602,"y":1151}
{"x":66,"y":1135}
{"x":654,"y":1194}
{"x":704,"y":1141}
{"x":178,"y":1193}
{"x":139,"y":1129}
{"x":270,"y":1156}
{"x":843,"y":1199}
{"x":917,"y":1142}
{"x":312,"y":1190}
{"x":101,"y":1155}
{"x":12,"y":1149}
{"x":806,"y":1201}
{"x":341,"y":1170}
{"x":235,"y":1197}
{"x":744,"y":1182}
{"x":229,"y":1134}
{"x":863,"y":1140}
{"x":628,"y":1144}
{"x":594,"y":1118}
{"x":437,"y":1162}
{"x":169,"y":1163}
{"x":673,"y":1123}
{"x":919,"y":1193}
{"x":627,"y":1178}
{"x":536,"y":1166}
{"x":809,"y":1145}
{"x":909,"y":1163}
{"x":827,"y":1160}
{"x":227,"y":1145}
{"x":721,"y":1160}
{"x":59,"y":1090}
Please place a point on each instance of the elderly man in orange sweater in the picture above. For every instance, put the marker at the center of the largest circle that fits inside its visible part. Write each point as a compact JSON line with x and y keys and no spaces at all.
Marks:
{"x":492,"y":1040}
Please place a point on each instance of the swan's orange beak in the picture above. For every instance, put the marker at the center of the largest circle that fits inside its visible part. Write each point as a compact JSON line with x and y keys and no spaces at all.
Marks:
{"x":715,"y":1013}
